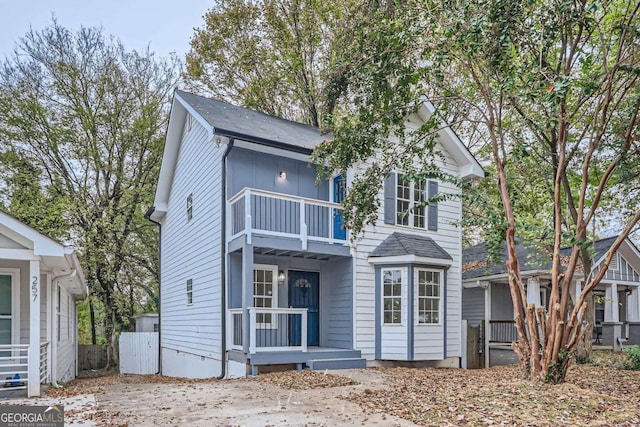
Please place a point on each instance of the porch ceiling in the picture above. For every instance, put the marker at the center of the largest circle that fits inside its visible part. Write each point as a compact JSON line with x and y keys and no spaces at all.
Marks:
{"x":295,"y":254}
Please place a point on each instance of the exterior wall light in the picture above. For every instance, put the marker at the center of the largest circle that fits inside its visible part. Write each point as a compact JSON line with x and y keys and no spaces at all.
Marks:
{"x":281,"y":277}
{"x":282,"y":175}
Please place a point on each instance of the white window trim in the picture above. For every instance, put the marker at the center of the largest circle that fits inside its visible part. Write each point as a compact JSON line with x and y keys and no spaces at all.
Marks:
{"x":412,"y":203}
{"x":403,"y":296}
{"x":189,"y":292}
{"x":15,"y":303}
{"x":274,"y":294}
{"x":416,"y":293}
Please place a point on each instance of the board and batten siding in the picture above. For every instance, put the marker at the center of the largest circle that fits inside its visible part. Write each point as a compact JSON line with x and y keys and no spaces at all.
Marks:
{"x":473,"y":308}
{"x":191,"y":249}
{"x":337,"y":302}
{"x":448,"y":236}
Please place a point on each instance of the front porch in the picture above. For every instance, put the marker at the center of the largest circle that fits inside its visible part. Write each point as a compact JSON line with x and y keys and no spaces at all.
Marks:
{"x":16,"y":371}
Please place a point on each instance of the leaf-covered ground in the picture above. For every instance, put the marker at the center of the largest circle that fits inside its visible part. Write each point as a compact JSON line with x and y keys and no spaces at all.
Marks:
{"x":592,"y":395}
{"x":305,"y":380}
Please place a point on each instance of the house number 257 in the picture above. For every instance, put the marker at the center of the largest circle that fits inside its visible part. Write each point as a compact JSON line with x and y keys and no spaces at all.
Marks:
{"x":34,"y":288}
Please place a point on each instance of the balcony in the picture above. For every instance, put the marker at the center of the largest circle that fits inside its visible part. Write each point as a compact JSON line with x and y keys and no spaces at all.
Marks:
{"x":252,"y":212}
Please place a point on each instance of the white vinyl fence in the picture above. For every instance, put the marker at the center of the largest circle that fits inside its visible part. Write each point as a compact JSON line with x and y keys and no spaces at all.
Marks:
{"x":139,"y":353}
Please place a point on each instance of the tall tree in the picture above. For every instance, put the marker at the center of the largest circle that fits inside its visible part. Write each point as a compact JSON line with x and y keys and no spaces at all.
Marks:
{"x":90,"y":116}
{"x":558,"y":80}
{"x":269,"y":55}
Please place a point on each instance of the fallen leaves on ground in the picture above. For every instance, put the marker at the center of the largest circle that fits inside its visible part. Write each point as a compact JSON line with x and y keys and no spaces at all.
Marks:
{"x":500,"y":396}
{"x":305,"y":380}
{"x":96,"y":381}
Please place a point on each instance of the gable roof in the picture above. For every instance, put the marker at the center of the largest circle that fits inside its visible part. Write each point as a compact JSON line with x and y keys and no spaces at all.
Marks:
{"x":530,"y":257}
{"x":243,"y":123}
{"x":399,"y":244}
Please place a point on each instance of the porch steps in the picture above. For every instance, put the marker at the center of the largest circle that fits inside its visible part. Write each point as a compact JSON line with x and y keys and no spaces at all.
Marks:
{"x":342,"y":363}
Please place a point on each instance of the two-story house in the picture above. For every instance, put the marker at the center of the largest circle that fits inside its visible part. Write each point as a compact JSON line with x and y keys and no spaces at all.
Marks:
{"x":257,"y":267}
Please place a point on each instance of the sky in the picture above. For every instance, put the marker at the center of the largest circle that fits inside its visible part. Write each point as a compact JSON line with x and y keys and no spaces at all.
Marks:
{"x":165,"y":25}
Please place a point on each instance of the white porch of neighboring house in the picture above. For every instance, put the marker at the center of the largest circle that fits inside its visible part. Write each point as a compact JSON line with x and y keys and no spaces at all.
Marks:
{"x":289,"y":283}
{"x":39,"y":281}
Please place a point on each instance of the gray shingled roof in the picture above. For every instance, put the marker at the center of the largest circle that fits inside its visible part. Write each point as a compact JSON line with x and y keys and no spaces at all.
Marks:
{"x":399,"y":244}
{"x":239,"y":122}
{"x":530,"y":257}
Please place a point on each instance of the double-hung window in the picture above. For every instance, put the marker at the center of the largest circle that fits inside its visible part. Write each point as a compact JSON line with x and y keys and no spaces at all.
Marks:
{"x":265,"y":289}
{"x":410,"y":195}
{"x":429,"y":284}
{"x":392,"y":296}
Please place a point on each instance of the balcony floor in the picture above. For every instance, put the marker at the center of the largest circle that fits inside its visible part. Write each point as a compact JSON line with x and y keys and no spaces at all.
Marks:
{"x":283,"y":246}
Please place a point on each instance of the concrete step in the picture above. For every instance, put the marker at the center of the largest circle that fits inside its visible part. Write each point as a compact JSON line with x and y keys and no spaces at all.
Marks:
{"x":342,"y":363}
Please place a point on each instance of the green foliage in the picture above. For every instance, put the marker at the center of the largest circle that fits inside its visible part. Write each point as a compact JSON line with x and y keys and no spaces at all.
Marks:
{"x":269,"y":55}
{"x":632,"y":358}
{"x":85,"y":119}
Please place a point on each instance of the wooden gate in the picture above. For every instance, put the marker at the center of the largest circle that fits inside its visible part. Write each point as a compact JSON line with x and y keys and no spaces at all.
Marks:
{"x":474,"y":345}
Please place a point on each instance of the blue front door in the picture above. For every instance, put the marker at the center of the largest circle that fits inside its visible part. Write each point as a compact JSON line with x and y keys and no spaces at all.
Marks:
{"x":339,"y":189}
{"x":304,"y":292}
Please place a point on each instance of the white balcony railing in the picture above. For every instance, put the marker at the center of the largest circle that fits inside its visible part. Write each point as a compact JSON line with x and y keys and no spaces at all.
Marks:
{"x":270,"y":329}
{"x":282,"y":215}
{"x":14,"y":365}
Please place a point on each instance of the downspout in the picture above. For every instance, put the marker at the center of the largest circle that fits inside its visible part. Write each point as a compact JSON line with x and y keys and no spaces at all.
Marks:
{"x":54,"y":342}
{"x":223,"y":251}
{"x":147,"y":215}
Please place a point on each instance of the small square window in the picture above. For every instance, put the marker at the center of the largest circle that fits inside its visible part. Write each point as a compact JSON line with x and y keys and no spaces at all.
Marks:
{"x":189,"y":292}
{"x":189,"y":207}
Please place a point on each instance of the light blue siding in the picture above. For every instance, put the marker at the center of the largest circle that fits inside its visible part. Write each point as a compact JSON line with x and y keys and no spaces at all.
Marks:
{"x":338,"y":294}
{"x":251,"y":169}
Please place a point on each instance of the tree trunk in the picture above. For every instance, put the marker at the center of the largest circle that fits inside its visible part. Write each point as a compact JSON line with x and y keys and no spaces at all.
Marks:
{"x":92,"y":317}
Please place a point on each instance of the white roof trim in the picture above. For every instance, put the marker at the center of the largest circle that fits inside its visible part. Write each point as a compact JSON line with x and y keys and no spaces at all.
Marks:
{"x":40,"y":244}
{"x":624,"y":246}
{"x":409,"y":259}
{"x":469,"y":166}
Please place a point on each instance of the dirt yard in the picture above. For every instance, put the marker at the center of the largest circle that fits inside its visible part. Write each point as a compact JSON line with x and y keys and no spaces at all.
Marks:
{"x":593,"y":395}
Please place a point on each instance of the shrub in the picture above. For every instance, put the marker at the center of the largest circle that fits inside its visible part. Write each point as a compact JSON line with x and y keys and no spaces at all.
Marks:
{"x":632,"y":358}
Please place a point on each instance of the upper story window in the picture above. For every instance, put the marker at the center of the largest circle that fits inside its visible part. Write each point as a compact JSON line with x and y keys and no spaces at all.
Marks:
{"x":404,"y":202}
{"x":189,"y":207}
{"x":189,"y":291}
{"x":428,"y":283}
{"x":410,"y":195}
{"x":392,"y":296}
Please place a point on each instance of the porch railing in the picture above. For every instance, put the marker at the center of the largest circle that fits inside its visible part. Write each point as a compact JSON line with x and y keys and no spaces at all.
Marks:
{"x":503,"y":331}
{"x":283,"y":215}
{"x":270,"y":329}
{"x":44,"y":362}
{"x":14,"y":366}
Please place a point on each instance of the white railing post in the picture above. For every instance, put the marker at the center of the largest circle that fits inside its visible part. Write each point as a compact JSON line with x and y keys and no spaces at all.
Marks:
{"x":332,"y":213}
{"x":230,"y":221}
{"x":303,"y":332}
{"x":247,"y":215}
{"x":252,"y":330}
{"x":303,"y":225}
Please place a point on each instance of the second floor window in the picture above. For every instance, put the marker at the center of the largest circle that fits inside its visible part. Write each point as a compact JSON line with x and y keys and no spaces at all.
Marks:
{"x":189,"y":291}
{"x":409,"y":196}
{"x":189,"y":207}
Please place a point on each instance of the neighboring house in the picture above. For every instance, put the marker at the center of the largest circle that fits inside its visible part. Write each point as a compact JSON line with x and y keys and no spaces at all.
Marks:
{"x":148,"y":322}
{"x":40,"y":280}
{"x":486,"y":295}
{"x":257,"y":267}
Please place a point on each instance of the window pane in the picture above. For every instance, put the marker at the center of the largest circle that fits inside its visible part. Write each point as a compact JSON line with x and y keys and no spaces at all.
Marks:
{"x":436,"y":278}
{"x":259,"y":275}
{"x":5,"y":331}
{"x":387,"y":317}
{"x":396,"y":317}
{"x":5,"y":295}
{"x":397,"y":275}
{"x":387,"y":290}
{"x":387,"y":304}
{"x":396,"y":289}
{"x":268,"y":276}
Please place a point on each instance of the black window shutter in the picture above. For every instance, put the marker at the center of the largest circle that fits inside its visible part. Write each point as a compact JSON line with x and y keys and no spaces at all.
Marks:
{"x":390,"y":199}
{"x":432,"y":219}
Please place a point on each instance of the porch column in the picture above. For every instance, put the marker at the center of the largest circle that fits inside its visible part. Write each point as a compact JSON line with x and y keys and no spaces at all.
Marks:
{"x":34,"y":329}
{"x":611,"y":327}
{"x":247,"y":293}
{"x":533,"y":291}
{"x":611,"y":312}
{"x":487,"y":319}
{"x":633,"y":305}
